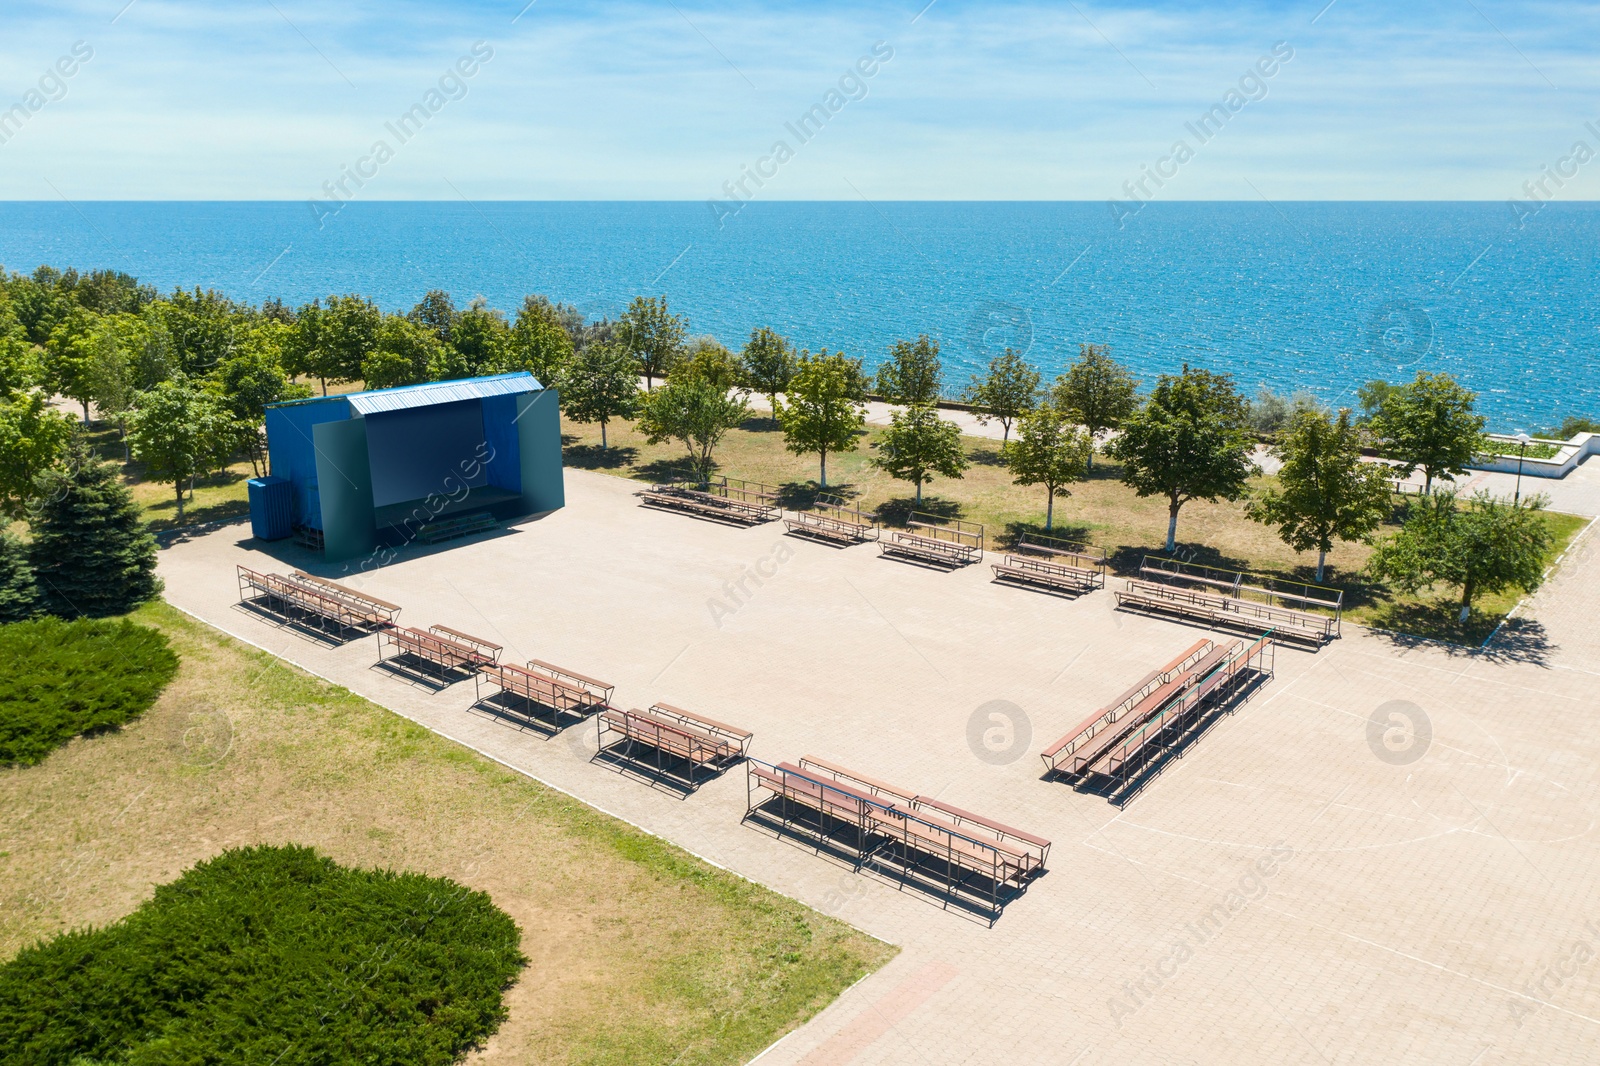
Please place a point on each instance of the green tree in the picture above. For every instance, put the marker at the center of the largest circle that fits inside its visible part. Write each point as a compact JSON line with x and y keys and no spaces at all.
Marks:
{"x":695,"y":412}
{"x":1006,"y":393}
{"x":244,"y":386}
{"x":33,"y":437}
{"x":1325,"y":492}
{"x":480,"y":343}
{"x":91,"y":554}
{"x":822,"y":412}
{"x":1486,"y":547}
{"x":20,"y":366}
{"x":1371,"y":397}
{"x":68,"y":355}
{"x":1271,"y":411}
{"x":710,"y":362}
{"x":1052,"y":451}
{"x":1188,"y":442}
{"x":1429,"y":423}
{"x":403,"y":356}
{"x":540,"y":342}
{"x":347,"y":334}
{"x":436,"y":312}
{"x":918,"y":445}
{"x":913,"y":375}
{"x":654,"y":335}
{"x":1099,"y":392}
{"x":768,"y":364}
{"x":115,"y":350}
{"x":601,"y":383}
{"x":19,"y":592}
{"x":180,"y":432}
{"x":201,"y":328}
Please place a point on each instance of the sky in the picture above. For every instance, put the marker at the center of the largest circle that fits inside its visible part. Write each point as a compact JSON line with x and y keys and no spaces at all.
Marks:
{"x":1074,"y":100}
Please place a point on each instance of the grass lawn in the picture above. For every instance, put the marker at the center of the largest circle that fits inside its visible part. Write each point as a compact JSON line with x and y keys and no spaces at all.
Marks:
{"x":639,"y":952}
{"x":1100,"y":511}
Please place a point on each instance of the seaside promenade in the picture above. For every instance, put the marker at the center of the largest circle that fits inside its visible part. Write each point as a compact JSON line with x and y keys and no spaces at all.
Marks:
{"x":1285,"y":892}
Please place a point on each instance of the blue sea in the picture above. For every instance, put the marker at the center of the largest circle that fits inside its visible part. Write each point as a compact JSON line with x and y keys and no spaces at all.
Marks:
{"x":1317,"y":296}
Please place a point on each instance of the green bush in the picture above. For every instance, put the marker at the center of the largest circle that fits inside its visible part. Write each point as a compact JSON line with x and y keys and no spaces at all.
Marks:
{"x":68,"y":678}
{"x":269,"y":955}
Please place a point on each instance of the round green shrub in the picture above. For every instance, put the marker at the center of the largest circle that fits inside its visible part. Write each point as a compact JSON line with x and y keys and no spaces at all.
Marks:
{"x":65,"y":678}
{"x":269,"y":955}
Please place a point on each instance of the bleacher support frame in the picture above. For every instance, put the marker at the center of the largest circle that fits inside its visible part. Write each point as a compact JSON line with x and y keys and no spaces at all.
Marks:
{"x":946,"y":542}
{"x":833,"y":519}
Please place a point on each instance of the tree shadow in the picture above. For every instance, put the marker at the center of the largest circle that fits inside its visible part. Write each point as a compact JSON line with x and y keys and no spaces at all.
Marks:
{"x":593,"y":457}
{"x":658,"y":471}
{"x":1412,"y":623}
{"x":1128,"y":558}
{"x":1104,"y":470}
{"x":802,"y":495}
{"x":981,"y":456}
{"x":897,"y":512}
{"x":1072,"y":532}
{"x":1521,"y":640}
{"x":760,"y":424}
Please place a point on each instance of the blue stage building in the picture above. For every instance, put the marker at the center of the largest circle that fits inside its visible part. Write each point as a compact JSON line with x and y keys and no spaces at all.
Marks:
{"x":390,"y":466}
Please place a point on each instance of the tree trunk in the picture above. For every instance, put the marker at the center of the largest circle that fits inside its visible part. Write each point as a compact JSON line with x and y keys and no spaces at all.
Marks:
{"x":1466,"y":603}
{"x":602,"y":434}
{"x":1172,"y":526}
{"x":824,"y":469}
{"x":1427,"y":481}
{"x":86,"y":422}
{"x":919,"y":493}
{"x":1049,"y":508}
{"x":1322,"y":557}
{"x":178,"y":486}
{"x":324,"y":385}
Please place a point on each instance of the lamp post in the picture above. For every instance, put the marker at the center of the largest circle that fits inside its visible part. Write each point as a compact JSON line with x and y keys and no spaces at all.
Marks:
{"x":1523,"y":440}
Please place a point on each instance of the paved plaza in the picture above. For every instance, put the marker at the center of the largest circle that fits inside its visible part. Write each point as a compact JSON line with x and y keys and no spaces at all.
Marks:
{"x":1297,"y":888}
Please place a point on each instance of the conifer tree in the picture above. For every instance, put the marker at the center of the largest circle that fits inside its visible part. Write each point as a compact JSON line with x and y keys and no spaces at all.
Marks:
{"x":19,"y":594}
{"x":91,"y":554}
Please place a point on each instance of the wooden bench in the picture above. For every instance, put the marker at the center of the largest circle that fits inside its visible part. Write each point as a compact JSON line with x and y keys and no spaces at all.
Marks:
{"x":1179,"y":695}
{"x":913,"y":822}
{"x":836,"y":521}
{"x":295,"y":600}
{"x":934,"y":540}
{"x":382,"y":612}
{"x":676,"y":733}
{"x":1066,"y":755}
{"x":1171,"y":720}
{"x":1050,"y":563}
{"x":547,"y":686}
{"x":1227,"y":611}
{"x":727,"y":499}
{"x":489,"y":650}
{"x":434,"y":651}
{"x":829,"y":798}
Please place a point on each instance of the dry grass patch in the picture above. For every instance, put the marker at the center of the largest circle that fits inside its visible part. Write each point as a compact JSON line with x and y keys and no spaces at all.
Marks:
{"x":639,"y":952}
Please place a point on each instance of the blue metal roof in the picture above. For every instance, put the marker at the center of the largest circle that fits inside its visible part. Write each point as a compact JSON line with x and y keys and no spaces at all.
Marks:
{"x":404,"y":397}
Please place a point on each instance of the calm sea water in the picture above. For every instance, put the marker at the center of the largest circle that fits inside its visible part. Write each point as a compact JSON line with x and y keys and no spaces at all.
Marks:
{"x":1319,"y":296}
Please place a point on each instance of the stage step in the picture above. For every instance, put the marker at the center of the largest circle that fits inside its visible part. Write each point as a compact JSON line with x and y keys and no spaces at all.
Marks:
{"x":457,"y":525}
{"x":307,"y":537}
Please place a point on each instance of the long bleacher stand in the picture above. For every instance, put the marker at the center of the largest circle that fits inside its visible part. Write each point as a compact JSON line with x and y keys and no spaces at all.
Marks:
{"x":1159,"y":713}
{"x":934,"y":541}
{"x":1052,"y":564}
{"x":1310,"y":614}
{"x":969,"y":861}
{"x":669,"y":744}
{"x":436,"y":654}
{"x":725,"y":499}
{"x":307,"y":602}
{"x":531,"y":692}
{"x":834,"y":520}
